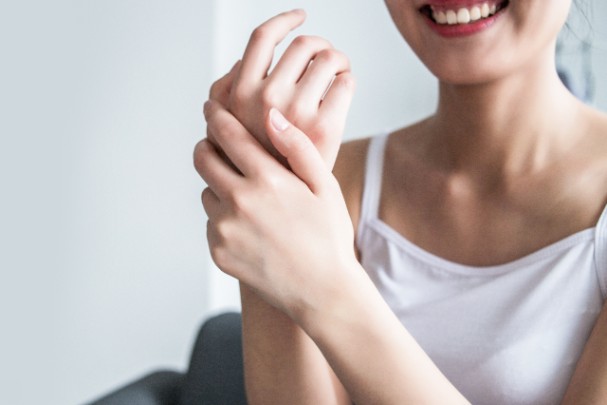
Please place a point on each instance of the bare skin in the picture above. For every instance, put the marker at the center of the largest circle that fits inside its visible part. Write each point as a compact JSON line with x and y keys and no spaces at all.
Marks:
{"x":505,"y":167}
{"x":277,"y":352}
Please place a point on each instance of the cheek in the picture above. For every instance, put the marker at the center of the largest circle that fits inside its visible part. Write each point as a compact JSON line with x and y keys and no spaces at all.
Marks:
{"x":407,"y":20}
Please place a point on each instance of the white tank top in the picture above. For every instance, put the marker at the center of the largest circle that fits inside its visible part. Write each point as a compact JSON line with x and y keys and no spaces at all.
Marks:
{"x":505,"y":334}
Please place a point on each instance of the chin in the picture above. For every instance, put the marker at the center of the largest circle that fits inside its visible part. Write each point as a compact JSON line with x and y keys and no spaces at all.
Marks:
{"x":468,"y":67}
{"x":468,"y":75}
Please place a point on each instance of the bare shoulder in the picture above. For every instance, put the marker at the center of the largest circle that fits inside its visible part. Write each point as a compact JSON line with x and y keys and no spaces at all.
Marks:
{"x":597,"y":129}
{"x":350,"y":170}
{"x":598,"y":123}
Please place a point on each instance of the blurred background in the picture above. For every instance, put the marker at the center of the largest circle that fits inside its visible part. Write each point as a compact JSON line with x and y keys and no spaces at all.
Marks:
{"x":104,"y":269}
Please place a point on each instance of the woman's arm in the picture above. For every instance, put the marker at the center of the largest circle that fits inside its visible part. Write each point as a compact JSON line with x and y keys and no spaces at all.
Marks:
{"x":589,"y":383}
{"x":288,"y":236}
{"x":282,"y":365}
{"x":376,"y":359}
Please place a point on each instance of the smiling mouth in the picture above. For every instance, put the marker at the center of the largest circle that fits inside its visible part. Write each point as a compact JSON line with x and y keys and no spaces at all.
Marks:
{"x":443,"y":15}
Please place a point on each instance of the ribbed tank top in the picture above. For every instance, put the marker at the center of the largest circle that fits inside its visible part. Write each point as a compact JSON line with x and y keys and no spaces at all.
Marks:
{"x":505,"y":334}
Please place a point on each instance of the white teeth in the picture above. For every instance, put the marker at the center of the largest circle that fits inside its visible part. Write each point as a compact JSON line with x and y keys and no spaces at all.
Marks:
{"x":451,"y":17}
{"x":485,"y":10}
{"x":475,"y":13}
{"x":464,"y":15}
{"x":440,"y":17}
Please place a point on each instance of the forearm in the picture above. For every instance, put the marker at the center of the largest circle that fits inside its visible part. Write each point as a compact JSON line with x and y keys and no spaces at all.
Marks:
{"x":281,"y":363}
{"x":375,"y":358}
{"x":589,"y":383}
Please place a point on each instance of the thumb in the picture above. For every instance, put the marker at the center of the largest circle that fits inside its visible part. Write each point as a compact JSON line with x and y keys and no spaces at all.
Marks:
{"x":301,"y":154}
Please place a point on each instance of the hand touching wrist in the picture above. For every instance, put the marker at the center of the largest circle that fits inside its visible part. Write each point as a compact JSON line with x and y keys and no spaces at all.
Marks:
{"x":285,"y":233}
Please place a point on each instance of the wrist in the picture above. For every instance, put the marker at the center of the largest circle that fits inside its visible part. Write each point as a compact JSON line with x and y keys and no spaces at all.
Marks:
{"x":340,"y":302}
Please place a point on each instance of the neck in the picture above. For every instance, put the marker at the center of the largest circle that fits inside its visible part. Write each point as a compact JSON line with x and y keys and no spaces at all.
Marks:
{"x":510,"y":126}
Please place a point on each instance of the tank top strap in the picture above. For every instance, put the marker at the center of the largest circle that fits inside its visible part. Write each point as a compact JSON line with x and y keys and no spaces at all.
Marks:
{"x":601,"y":251}
{"x":372,"y":182}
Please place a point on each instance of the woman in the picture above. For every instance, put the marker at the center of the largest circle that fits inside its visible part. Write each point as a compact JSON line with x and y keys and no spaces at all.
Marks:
{"x":480,"y":263}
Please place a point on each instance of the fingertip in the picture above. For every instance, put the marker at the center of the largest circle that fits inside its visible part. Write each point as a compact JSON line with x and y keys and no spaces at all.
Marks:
{"x":301,"y":14}
{"x":278,"y":122}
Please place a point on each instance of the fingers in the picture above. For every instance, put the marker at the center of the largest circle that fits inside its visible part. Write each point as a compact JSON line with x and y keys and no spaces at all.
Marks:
{"x":336,"y":102}
{"x":220,"y":90}
{"x":214,"y":170}
{"x":320,"y":74}
{"x":239,"y":146}
{"x":260,"y":49}
{"x":304,"y":160}
{"x":210,"y":203}
{"x":294,"y":62}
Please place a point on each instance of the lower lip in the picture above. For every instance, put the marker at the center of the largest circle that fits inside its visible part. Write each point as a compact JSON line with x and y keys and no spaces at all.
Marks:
{"x":463,"y":30}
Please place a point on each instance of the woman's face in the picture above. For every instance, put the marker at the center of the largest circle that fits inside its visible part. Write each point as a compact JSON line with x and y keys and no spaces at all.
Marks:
{"x":475,"y":41}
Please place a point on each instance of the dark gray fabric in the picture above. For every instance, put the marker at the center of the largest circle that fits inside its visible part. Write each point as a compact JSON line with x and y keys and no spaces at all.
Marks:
{"x":158,"y":388}
{"x":215,"y":375}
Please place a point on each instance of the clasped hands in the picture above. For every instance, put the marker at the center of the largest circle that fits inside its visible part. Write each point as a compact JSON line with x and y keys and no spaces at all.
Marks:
{"x":277,"y":220}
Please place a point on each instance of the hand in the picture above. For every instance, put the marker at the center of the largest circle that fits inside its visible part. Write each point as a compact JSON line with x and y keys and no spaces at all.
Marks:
{"x":311,"y":84}
{"x":286,"y":234}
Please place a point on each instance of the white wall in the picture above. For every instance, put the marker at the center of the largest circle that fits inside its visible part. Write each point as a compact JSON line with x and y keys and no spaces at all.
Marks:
{"x":104,"y":273}
{"x":103,"y":260}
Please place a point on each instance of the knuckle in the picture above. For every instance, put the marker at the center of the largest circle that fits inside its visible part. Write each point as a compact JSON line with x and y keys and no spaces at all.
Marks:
{"x":272,"y":183}
{"x":198,"y":154}
{"x":269,"y":96}
{"x":261,"y":33}
{"x":327,"y":56}
{"x":303,"y":41}
{"x":295,"y":111}
{"x":219,"y":256}
{"x":347,"y":79}
{"x":237,"y":97}
{"x":311,"y":41}
{"x":226,"y":129}
{"x":205,"y":196}
{"x":216,"y":244}
{"x":215,"y":90}
{"x":239,"y":201}
{"x":333,"y":57}
{"x":222,"y":230}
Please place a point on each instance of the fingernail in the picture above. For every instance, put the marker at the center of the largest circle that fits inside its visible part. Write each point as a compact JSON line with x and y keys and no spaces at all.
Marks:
{"x":279,"y":122}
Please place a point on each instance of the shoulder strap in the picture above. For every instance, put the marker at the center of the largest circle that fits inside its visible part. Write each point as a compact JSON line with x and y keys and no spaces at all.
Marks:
{"x":373,"y":180}
{"x":601,"y":251}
